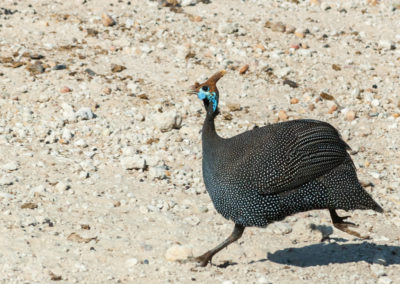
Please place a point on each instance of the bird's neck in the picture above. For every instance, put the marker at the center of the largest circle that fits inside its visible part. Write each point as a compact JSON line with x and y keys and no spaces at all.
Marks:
{"x":209,"y":134}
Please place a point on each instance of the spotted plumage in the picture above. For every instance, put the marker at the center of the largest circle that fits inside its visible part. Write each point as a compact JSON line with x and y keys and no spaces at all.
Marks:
{"x":268,"y":173}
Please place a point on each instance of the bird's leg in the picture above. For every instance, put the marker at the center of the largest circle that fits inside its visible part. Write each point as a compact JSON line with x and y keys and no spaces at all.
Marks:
{"x":343,"y":226}
{"x":204,"y":259}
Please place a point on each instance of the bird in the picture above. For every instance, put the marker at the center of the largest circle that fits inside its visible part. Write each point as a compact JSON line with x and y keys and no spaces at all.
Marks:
{"x":268,"y":173}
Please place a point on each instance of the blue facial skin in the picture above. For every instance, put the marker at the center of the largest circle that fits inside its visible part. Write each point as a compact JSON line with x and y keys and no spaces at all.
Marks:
{"x":205,"y":93}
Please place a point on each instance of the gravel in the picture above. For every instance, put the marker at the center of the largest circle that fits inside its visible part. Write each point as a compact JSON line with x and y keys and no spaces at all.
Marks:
{"x":99,"y":138}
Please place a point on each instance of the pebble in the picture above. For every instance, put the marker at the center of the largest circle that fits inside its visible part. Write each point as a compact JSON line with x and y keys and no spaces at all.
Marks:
{"x":61,"y":187}
{"x":282,"y":115}
{"x":107,"y":20}
{"x":135,"y":89}
{"x":7,"y":180}
{"x":84,"y":113}
{"x":178,"y":252}
{"x":81,"y":143}
{"x":227,"y":28}
{"x":130,"y":262}
{"x":11,"y":166}
{"x":157,"y":172}
{"x":350,"y":115}
{"x":66,"y":135}
{"x":387,"y":44}
{"x":385,"y":280}
{"x":282,"y":228}
{"x":243,"y":69}
{"x":167,"y":121}
{"x":134,"y":162}
{"x":65,"y":90}
{"x":60,"y":67}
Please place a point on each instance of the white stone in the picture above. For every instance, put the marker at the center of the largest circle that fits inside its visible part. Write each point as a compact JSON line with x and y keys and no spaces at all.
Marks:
{"x":84,"y":113}
{"x":157,"y":172}
{"x":66,"y":135}
{"x":81,"y":143}
{"x":68,"y":112}
{"x":227,"y":28}
{"x":133,"y":162}
{"x":131,"y":262}
{"x":135,"y":89}
{"x":61,"y":187}
{"x":7,"y":180}
{"x":167,"y":121}
{"x":387,"y":44}
{"x":282,"y":228}
{"x":11,"y":166}
{"x":188,"y":2}
{"x":384,"y":280}
{"x":178,"y":252}
{"x":283,"y":72}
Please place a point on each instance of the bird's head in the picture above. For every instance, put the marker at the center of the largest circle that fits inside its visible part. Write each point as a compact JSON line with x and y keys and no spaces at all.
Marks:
{"x":208,"y":93}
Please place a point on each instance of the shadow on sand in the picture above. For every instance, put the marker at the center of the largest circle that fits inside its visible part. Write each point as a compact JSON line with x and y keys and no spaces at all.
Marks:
{"x":324,"y":254}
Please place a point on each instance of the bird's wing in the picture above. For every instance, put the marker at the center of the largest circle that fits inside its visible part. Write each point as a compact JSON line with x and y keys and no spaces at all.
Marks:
{"x":291,"y":155}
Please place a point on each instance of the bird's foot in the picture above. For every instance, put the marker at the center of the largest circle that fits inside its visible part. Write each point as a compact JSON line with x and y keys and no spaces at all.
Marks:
{"x":201,"y":260}
{"x":344,"y":226}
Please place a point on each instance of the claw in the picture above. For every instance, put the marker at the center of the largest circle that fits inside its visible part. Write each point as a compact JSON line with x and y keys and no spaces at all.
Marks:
{"x":344,"y":227}
{"x":201,"y":261}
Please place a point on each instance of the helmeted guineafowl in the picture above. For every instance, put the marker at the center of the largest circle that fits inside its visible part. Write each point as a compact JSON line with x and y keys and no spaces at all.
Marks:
{"x":268,"y":173}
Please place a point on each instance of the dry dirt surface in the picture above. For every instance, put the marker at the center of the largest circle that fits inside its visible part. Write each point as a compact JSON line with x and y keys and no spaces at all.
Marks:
{"x":100,"y":150}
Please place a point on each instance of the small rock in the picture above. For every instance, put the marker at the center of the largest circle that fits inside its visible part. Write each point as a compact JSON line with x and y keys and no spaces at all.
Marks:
{"x":290,"y":29}
{"x":135,"y":89}
{"x":61,"y":187}
{"x":66,"y":135}
{"x":291,"y":83}
{"x":294,"y":101}
{"x":178,"y":252}
{"x":60,"y":67}
{"x":234,"y":106}
{"x":350,"y":115}
{"x":243,"y":69}
{"x":282,"y":228}
{"x":131,"y":262}
{"x":107,"y":20}
{"x":387,"y":44}
{"x":107,"y":90}
{"x":167,"y":121}
{"x":11,"y":166}
{"x":278,"y":27}
{"x":283,"y":72}
{"x":35,"y":68}
{"x":117,"y":68}
{"x":384,"y":280}
{"x":227,"y":28}
{"x":84,"y":113}
{"x":65,"y":90}
{"x":157,"y":172}
{"x":68,"y":112}
{"x":90,"y":72}
{"x":7,"y":180}
{"x":134,"y":162}
{"x":282,"y":115}
{"x":81,"y":143}
{"x":188,"y":3}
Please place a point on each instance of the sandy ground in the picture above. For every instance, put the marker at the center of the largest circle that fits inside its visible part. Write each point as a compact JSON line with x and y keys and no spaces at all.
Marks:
{"x":100,"y":151}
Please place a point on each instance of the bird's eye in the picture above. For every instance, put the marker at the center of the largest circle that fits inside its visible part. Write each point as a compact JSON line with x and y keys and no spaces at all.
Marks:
{"x":205,"y":88}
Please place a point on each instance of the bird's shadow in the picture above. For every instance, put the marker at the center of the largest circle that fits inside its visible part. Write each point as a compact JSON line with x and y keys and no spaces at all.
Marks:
{"x":327,"y":253}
